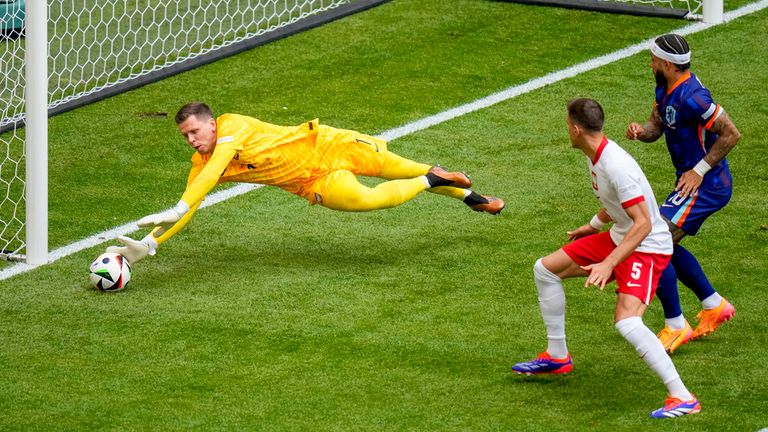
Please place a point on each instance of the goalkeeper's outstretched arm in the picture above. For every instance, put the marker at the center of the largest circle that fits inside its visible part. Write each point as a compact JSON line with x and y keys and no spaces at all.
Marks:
{"x":136,"y":250}
{"x":200,"y":182}
{"x":161,"y":235}
{"x":171,"y":221}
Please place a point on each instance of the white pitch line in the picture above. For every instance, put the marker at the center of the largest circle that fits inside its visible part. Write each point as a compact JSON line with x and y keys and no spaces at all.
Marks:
{"x":126,"y":229}
{"x":554,"y":77}
{"x":410,"y":128}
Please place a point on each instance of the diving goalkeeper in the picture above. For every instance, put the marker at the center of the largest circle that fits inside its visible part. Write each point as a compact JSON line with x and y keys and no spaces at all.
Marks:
{"x":313,"y":161}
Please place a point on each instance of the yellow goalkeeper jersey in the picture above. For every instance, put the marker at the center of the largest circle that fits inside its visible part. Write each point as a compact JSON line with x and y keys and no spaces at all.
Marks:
{"x":249,"y":150}
{"x":290,"y":157}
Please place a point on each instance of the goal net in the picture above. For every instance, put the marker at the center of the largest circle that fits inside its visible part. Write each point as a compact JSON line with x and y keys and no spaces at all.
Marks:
{"x":690,"y":9}
{"x":11,"y":142}
{"x":699,"y":10}
{"x":98,"y":45}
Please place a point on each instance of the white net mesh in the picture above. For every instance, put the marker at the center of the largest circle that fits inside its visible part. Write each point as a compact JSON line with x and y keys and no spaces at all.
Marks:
{"x":692,"y":6}
{"x":96,"y":44}
{"x":11,"y":142}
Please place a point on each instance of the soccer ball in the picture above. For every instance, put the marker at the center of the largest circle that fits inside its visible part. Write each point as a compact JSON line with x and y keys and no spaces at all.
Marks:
{"x":110,"y":272}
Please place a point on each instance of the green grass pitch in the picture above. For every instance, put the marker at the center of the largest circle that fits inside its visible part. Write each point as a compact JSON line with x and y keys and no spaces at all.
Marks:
{"x":268,"y":314}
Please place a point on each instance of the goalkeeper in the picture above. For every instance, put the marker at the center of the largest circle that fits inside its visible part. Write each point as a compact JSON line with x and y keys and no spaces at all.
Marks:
{"x":313,"y":161}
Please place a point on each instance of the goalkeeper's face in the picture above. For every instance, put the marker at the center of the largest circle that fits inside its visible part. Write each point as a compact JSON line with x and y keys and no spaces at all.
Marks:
{"x":199,"y":133}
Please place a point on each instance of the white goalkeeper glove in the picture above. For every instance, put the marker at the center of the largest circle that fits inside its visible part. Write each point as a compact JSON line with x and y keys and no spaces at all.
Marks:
{"x":165,"y":219}
{"x":135,"y":250}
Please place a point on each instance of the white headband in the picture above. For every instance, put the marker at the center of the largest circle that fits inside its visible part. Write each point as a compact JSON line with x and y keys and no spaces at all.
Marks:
{"x":679,"y":59}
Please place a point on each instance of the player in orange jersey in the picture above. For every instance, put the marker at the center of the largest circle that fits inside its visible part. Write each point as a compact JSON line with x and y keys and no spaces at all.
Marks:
{"x":313,"y":161}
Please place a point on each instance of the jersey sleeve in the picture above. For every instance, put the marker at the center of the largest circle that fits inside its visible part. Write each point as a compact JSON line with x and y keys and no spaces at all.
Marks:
{"x":702,"y":109}
{"x":628,"y":188}
{"x":198,"y":163}
{"x":232,"y":131}
{"x":208,"y":176}
{"x":161,"y":236}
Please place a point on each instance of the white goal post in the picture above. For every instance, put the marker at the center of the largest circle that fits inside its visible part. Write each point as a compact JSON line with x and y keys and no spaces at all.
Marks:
{"x":36,"y":141}
{"x":56,"y":55}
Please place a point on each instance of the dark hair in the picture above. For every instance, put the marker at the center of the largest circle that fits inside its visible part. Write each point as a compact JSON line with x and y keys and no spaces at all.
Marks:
{"x":586,"y":113}
{"x":674,"y":44}
{"x":197,"y":109}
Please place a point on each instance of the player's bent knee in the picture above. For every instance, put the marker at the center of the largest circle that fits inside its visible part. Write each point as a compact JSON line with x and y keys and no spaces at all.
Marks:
{"x":637,"y":334}
{"x":349,"y":202}
{"x":676,"y":231}
{"x":541,"y":272}
{"x":341,"y":191}
{"x":360,"y":203}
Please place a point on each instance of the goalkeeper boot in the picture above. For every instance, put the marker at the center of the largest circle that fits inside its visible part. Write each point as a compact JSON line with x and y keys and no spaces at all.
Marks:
{"x":674,"y":407}
{"x":672,"y":339}
{"x":484,"y":203}
{"x":544,"y":364}
{"x":439,"y":176}
{"x":711,"y":319}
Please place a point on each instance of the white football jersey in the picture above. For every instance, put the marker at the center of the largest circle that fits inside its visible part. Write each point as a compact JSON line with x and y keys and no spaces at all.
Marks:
{"x":618,"y":183}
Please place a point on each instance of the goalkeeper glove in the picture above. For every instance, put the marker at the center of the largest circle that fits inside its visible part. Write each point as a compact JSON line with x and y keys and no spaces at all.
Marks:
{"x":165,"y":219}
{"x":135,"y":250}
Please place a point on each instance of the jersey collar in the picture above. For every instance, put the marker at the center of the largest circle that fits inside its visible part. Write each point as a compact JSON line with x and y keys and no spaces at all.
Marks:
{"x":600,"y":149}
{"x":677,"y":83}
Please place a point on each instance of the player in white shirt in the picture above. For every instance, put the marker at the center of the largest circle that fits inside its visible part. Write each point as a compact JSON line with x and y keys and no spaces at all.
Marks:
{"x":634,"y":252}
